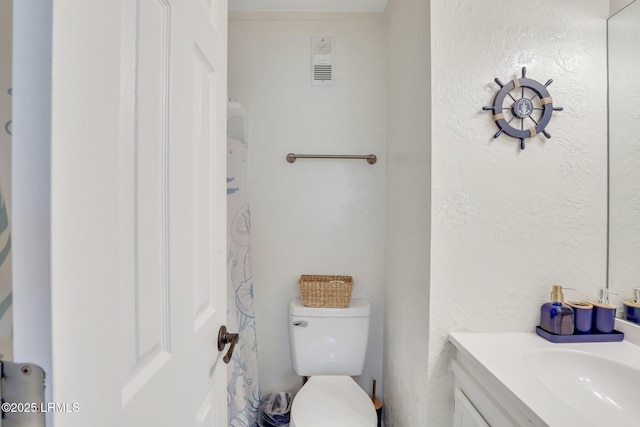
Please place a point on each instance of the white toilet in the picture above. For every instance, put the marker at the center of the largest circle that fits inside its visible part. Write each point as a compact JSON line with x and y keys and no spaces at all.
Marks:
{"x":329,"y":346}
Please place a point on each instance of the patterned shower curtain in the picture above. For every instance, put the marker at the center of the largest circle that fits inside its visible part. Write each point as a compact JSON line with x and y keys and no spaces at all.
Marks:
{"x":243,"y":389}
{"x":6,"y":316}
{"x":6,"y":287}
{"x":6,"y":294}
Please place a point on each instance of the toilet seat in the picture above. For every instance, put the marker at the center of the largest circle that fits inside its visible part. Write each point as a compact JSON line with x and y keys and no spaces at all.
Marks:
{"x":332,"y":400}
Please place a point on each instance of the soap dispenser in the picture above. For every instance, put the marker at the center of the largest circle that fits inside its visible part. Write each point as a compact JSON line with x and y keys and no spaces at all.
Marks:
{"x":604,"y":314}
{"x":556,"y":317}
{"x":632,"y":307}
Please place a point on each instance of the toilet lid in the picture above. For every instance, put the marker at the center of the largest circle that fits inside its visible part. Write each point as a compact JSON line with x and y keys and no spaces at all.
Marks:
{"x":332,"y":400}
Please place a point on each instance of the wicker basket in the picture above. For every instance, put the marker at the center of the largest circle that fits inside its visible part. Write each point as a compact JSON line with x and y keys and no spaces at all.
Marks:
{"x":326,"y":291}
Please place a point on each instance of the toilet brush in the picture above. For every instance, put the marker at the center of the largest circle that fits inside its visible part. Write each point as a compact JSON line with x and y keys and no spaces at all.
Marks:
{"x":377,"y":403}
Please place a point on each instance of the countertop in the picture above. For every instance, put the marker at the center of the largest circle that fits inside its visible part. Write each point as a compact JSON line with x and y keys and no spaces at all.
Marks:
{"x":502,"y":355}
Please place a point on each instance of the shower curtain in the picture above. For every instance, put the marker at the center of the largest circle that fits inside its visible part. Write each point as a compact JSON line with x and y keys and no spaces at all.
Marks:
{"x":243,"y":387}
{"x":6,"y":287}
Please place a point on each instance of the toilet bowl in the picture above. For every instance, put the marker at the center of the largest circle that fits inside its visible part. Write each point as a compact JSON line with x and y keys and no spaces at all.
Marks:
{"x":332,"y":401}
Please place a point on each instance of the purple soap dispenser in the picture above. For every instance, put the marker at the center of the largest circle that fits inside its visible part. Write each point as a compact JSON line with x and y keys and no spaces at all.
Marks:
{"x":556,"y":317}
{"x":604,"y":314}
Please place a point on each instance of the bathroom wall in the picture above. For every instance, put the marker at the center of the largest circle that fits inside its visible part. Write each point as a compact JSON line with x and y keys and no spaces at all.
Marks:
{"x":408,"y":212}
{"x":312,"y":216}
{"x":477,"y":230}
{"x":616,"y":5}
{"x":6,"y":296}
{"x":507,"y":224}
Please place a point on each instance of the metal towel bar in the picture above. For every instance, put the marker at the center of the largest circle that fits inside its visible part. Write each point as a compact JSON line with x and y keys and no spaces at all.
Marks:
{"x":370,"y":158}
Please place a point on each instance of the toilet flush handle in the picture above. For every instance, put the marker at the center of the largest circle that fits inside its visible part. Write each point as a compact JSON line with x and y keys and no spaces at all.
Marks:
{"x":302,"y":323}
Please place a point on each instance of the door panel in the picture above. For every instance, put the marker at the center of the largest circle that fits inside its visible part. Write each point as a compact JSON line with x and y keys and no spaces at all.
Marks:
{"x":138,"y":212}
{"x":143,"y":201}
{"x":176,"y":170}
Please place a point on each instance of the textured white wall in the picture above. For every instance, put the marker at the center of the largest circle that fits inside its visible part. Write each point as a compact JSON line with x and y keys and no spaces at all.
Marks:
{"x":313,"y":216}
{"x":507,"y":224}
{"x":408,"y":213}
{"x":624,"y":152}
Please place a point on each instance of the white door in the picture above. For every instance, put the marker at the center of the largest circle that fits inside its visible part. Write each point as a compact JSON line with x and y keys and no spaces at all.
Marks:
{"x":138,"y":193}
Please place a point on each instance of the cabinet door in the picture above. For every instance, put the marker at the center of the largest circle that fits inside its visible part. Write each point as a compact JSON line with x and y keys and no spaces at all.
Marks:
{"x":465,"y":414}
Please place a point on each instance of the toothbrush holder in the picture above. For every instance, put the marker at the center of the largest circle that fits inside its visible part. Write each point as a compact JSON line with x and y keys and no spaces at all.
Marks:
{"x":583,"y":317}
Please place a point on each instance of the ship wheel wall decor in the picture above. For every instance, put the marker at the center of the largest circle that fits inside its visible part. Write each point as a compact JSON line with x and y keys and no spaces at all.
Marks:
{"x":522,"y":108}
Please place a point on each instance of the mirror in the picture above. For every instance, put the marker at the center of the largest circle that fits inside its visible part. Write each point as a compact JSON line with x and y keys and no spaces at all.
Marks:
{"x":624,"y":153}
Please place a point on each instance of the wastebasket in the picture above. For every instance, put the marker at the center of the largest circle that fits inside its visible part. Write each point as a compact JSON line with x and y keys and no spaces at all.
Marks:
{"x":275,"y":409}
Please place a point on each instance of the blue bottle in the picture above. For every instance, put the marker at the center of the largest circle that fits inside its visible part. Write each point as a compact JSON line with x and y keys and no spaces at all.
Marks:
{"x":632,"y":307}
{"x":556,"y":317}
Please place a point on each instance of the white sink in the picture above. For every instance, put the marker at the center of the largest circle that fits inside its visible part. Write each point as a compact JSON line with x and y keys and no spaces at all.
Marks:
{"x":603,"y":389}
{"x":543,"y":384}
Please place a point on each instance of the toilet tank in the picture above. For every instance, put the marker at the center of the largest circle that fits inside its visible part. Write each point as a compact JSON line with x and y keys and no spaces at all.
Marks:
{"x":328,"y":341}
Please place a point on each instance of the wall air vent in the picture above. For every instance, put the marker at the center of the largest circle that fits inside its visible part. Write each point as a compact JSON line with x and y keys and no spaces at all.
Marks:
{"x":322,"y":61}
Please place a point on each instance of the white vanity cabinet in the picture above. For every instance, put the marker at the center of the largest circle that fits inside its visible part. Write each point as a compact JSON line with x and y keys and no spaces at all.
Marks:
{"x":481,"y":400}
{"x":465,"y":414}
